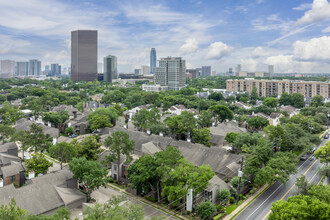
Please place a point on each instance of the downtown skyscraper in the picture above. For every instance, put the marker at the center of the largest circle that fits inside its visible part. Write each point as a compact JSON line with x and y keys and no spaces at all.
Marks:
{"x":84,"y":55}
{"x":110,"y":68}
{"x":153,"y":58}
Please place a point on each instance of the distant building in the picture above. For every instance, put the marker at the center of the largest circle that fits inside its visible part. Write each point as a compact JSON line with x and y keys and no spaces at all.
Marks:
{"x":171,"y":72}
{"x":230,"y":71}
{"x":259,"y":74}
{"x":137,"y":71}
{"x":193,"y":73}
{"x":145,"y":70}
{"x":34,"y":68}
{"x":110,"y":68}
{"x":84,"y":55}
{"x":238,"y":68}
{"x":153,"y":58}
{"x":269,"y":88}
{"x":7,"y":68}
{"x":271,"y":69}
{"x":99,"y":67}
{"x":22,"y":68}
{"x":154,"y":88}
{"x":214,"y":73}
{"x":47,"y":70}
{"x":55,"y":69}
{"x":206,"y":70}
{"x":242,"y":73}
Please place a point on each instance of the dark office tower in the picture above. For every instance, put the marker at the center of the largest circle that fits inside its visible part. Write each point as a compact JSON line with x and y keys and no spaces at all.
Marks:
{"x":55,"y":69}
{"x":153,"y":58}
{"x":84,"y":55}
{"x":110,"y":68}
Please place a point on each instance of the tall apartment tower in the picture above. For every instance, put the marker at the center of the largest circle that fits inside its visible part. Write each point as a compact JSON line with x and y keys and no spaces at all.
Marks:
{"x":22,"y":68}
{"x":55,"y":69}
{"x":206,"y":70}
{"x":7,"y":68}
{"x":238,"y":68}
{"x":84,"y":55}
{"x":171,"y":72}
{"x":153,"y":58}
{"x":271,"y":70}
{"x":34,"y":68}
{"x":110,"y":68}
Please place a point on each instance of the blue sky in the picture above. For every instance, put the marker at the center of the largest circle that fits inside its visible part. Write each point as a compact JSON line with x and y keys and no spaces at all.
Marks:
{"x":293,"y":35}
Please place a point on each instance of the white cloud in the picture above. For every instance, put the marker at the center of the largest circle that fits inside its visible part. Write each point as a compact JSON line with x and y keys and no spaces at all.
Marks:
{"x":191,"y":45}
{"x":303,"y":7}
{"x":326,"y":30}
{"x":272,"y":22}
{"x":249,"y":64}
{"x":218,"y":49}
{"x":320,"y":11}
{"x":316,"y":49}
{"x":260,"y":52}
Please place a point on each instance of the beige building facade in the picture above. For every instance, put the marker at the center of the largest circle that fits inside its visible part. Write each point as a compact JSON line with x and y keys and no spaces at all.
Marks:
{"x":267,"y":88}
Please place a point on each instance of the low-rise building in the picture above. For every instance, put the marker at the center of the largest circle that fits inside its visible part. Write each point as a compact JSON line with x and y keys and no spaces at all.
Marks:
{"x":154,"y":87}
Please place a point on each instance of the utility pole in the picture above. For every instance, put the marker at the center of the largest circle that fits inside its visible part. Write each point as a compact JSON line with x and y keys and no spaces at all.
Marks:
{"x":240,"y":174}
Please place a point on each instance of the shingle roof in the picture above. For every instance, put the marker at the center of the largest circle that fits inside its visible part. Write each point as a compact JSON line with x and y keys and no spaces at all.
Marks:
{"x":288,"y":108}
{"x":8,"y":146}
{"x":274,"y":115}
{"x":41,"y":195}
{"x":13,"y":169}
{"x":6,"y":159}
{"x":69,"y":108}
{"x":24,"y":125}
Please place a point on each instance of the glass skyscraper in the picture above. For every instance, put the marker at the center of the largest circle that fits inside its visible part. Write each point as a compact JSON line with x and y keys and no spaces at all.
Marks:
{"x":110,"y":68}
{"x":153,"y":58}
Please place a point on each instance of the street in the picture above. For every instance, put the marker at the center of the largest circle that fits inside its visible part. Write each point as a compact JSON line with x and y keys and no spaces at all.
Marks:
{"x":259,"y":209}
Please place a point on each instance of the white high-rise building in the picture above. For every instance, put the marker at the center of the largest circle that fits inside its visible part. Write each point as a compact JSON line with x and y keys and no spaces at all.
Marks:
{"x":145,"y":70}
{"x":238,"y":68}
{"x":34,"y":68}
{"x":99,"y":67}
{"x":271,"y":70}
{"x":22,"y":68}
{"x":171,"y":72}
{"x":7,"y":68}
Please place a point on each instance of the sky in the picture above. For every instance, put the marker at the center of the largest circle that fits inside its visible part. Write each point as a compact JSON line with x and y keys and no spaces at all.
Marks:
{"x":292,"y":35}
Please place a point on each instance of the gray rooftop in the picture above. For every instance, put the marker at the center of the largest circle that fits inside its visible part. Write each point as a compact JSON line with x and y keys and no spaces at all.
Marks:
{"x":24,"y":125}
{"x":8,"y":146}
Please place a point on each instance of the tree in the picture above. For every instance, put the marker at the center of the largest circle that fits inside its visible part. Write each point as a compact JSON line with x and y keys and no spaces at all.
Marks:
{"x":317,"y":101}
{"x":11,"y":212}
{"x":9,"y":114}
{"x":303,"y":185}
{"x":181,"y":125}
{"x":64,"y":152}
{"x":298,"y":100}
{"x":285,"y":99}
{"x":248,"y":140}
{"x":202,"y":136}
{"x":110,"y":113}
{"x":254,"y":94}
{"x":56,"y":118}
{"x":89,"y":173}
{"x":230,"y":137}
{"x":224,"y":196}
{"x":206,"y":209}
{"x":89,"y":147}
{"x":36,"y":140}
{"x":99,"y":121}
{"x":140,"y":119}
{"x":115,"y":209}
{"x":38,"y":163}
{"x":217,"y":96}
{"x":221,"y":113}
{"x":6,"y":132}
{"x":257,"y":123}
{"x":119,"y":144}
{"x":235,"y":179}
{"x":69,"y":130}
{"x":270,"y":102}
{"x":204,"y":119}
{"x":323,"y":153}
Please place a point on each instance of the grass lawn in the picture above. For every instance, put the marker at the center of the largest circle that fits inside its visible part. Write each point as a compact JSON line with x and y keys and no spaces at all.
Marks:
{"x":231,"y":208}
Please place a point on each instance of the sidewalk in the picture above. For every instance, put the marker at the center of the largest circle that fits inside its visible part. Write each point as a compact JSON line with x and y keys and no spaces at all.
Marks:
{"x":246,"y":203}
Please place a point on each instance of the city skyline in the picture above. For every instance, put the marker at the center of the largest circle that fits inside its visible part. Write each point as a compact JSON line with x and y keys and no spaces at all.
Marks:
{"x":223,"y":34}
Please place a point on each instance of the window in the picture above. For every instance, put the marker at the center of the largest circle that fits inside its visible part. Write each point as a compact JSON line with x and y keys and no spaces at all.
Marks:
{"x":207,"y":195}
{"x":115,"y":167}
{"x":12,"y":179}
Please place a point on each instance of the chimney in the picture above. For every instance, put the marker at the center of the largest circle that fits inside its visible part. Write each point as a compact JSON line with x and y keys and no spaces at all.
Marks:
{"x":74,"y":114}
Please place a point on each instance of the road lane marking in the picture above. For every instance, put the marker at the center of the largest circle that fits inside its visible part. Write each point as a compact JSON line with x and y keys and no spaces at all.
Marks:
{"x":289,"y":190}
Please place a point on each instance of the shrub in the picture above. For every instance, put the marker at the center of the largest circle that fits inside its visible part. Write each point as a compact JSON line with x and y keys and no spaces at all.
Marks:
{"x":150,"y":199}
{"x":253,"y":190}
{"x":232,"y":200}
{"x":224,"y":196}
{"x":206,"y":209}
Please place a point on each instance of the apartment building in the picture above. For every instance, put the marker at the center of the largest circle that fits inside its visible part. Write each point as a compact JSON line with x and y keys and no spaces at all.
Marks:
{"x":267,"y":88}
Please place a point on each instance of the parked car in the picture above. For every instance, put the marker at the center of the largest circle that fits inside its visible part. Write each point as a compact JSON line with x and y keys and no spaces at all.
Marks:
{"x":326,"y":136}
{"x":303,"y":157}
{"x":314,"y":149}
{"x":73,"y":136}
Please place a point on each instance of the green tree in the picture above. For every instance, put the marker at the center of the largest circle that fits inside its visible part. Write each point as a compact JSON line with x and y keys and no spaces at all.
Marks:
{"x":69,"y":130}
{"x":38,"y":163}
{"x":204,"y":119}
{"x":119,"y":144}
{"x":111,"y":113}
{"x":254,"y":94}
{"x":140,"y":119}
{"x":323,"y":153}
{"x":297,"y":100}
{"x":285,"y":99}
{"x":257,"y":123}
{"x":9,"y":114}
{"x":11,"y":211}
{"x":201,"y":136}
{"x":231,"y":137}
{"x":115,"y":209}
{"x":221,"y":113}
{"x":181,"y":125}
{"x":317,"y":101}
{"x":35,"y":139}
{"x":303,"y":185}
{"x":206,"y":209}
{"x":56,"y":118}
{"x":89,"y":173}
{"x":217,"y":96}
{"x":89,"y":147}
{"x":99,"y":121}
{"x":6,"y":132}
{"x":64,"y":152}
{"x":270,"y":102}
{"x":224,"y":196}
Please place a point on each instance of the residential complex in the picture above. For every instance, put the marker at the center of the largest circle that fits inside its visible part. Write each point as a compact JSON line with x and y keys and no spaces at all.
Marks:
{"x":153,"y":58}
{"x":22,"y":68}
{"x":55,"y":69}
{"x":84,"y":55}
{"x":206,"y":70}
{"x":192,"y":73}
{"x":171,"y":72}
{"x":34,"y":68}
{"x":110,"y":68}
{"x":267,"y":88}
{"x":7,"y":68}
{"x":153,"y":88}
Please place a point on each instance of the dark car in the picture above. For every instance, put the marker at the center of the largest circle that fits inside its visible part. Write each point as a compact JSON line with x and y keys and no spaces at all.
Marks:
{"x":73,"y":136}
{"x":303,"y":157}
{"x":326,"y":136}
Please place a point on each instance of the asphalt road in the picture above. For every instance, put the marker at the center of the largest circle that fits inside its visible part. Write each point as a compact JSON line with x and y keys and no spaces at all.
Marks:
{"x":259,"y":209}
